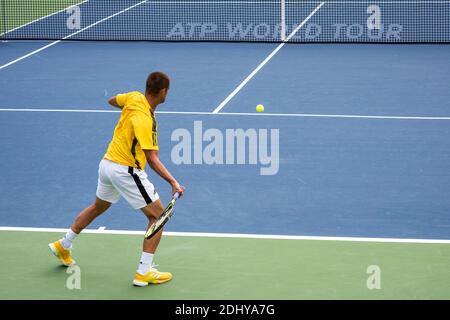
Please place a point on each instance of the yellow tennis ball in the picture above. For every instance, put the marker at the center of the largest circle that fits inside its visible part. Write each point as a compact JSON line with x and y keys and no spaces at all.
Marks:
{"x":260,"y":108}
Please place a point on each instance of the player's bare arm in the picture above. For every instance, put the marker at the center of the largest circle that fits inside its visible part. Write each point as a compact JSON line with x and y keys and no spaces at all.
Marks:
{"x":112,"y":101}
{"x":161,"y":170}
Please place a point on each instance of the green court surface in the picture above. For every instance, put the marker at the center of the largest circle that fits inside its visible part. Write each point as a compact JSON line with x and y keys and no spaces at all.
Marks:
{"x":224,"y":268}
{"x":15,"y":13}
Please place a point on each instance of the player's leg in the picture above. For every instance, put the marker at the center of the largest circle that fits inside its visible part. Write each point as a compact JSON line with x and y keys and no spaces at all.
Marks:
{"x":105,"y":195}
{"x":152,"y":212}
{"x":134,"y":186}
{"x":89,"y":214}
{"x":61,"y":248}
{"x":146,"y":272}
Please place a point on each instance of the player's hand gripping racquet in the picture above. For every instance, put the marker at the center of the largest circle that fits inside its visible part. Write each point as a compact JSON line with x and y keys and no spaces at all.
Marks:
{"x":163,"y":218}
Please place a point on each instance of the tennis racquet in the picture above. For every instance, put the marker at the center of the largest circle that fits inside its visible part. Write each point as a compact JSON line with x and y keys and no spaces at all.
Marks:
{"x":163,"y":218}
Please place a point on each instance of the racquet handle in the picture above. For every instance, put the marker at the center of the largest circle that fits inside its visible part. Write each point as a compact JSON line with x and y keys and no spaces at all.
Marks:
{"x":176,"y":195}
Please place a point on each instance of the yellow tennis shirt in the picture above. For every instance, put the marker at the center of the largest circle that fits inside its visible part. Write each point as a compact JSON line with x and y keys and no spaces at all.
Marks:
{"x":135,"y":131}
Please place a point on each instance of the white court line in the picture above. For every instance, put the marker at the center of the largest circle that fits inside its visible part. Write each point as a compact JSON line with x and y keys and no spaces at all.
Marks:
{"x":270,"y":56}
{"x":334,"y":116}
{"x":234,"y":235}
{"x":62,"y":110}
{"x":306,"y":115}
{"x":71,"y":35}
{"x":47,"y":16}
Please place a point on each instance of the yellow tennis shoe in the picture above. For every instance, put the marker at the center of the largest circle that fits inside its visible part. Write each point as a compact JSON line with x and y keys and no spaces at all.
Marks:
{"x":61,"y":253}
{"x":153,"y":276}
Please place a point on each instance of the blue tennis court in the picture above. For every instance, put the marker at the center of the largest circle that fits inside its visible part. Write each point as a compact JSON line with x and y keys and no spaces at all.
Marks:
{"x":362,"y":150}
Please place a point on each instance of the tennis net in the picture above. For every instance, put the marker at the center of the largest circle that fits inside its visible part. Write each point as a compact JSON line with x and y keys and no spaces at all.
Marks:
{"x":264,"y":20}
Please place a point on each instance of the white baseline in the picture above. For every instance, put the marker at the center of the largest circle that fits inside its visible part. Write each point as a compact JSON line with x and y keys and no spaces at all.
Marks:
{"x":233,"y":235}
{"x":301,"y":115}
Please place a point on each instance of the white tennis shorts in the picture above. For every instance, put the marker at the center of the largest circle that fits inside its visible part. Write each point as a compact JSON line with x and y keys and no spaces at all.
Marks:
{"x":116,"y":180}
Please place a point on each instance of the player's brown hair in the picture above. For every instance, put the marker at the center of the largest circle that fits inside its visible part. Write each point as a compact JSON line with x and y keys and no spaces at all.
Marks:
{"x":157,"y":81}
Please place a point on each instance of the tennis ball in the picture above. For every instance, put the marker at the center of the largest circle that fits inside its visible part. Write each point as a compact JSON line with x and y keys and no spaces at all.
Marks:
{"x":260,"y":108}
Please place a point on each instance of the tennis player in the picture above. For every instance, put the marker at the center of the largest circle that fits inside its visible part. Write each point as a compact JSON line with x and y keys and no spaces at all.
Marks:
{"x":121,"y":174}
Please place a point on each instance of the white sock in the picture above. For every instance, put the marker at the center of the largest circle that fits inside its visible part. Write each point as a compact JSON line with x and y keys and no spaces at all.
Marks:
{"x":145,"y":263}
{"x":68,"y":238}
